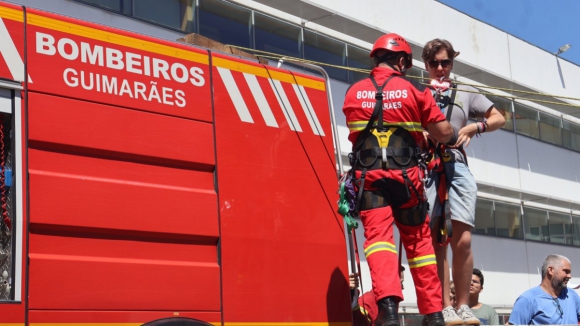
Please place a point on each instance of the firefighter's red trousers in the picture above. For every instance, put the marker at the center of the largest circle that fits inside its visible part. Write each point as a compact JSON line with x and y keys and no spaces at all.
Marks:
{"x":381,"y":255}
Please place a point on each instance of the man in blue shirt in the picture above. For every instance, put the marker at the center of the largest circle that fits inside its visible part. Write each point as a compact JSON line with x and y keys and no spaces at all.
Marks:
{"x":550,"y":303}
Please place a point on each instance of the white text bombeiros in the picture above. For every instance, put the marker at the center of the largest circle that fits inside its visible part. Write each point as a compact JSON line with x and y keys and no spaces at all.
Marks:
{"x":115,"y":59}
{"x":388,"y":97}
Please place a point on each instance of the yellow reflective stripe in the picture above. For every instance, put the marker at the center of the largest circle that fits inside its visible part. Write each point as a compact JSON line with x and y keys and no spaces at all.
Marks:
{"x":420,"y":258}
{"x":380,"y":246}
{"x":409,"y":126}
{"x":422,"y":261}
{"x":424,"y":264}
{"x":366,"y":314}
{"x":380,"y":243}
{"x":356,"y":125}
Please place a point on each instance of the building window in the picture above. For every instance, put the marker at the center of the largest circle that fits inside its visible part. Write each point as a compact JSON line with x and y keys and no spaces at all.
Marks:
{"x":575,"y":230}
{"x":508,"y":220}
{"x":176,"y":14}
{"x":323,"y":49}
{"x":225,"y":23}
{"x":536,"y":223}
{"x":358,"y":58}
{"x":560,"y":229}
{"x":526,"y":120}
{"x":416,"y":72}
{"x":484,"y":223}
{"x":122,"y":6}
{"x":550,"y":128}
{"x":504,"y":106}
{"x":276,"y":36}
{"x":571,"y":135}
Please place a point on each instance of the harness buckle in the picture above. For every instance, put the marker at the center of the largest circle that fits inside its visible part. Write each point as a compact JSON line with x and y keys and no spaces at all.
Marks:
{"x":384,"y":157}
{"x":446,"y":157}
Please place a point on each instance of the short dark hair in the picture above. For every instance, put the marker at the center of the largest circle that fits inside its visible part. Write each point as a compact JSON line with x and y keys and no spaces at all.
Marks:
{"x":389,"y":57}
{"x":478,"y":273}
{"x":432,"y":47}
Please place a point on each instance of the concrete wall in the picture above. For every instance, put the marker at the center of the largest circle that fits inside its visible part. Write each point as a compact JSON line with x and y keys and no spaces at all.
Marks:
{"x":480,"y":44}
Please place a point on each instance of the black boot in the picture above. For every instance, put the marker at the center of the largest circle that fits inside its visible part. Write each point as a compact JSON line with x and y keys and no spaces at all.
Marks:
{"x":434,"y":319}
{"x":388,"y":315}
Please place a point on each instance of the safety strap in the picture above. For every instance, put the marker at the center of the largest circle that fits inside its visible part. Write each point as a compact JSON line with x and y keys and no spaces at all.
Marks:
{"x":450,"y":102}
{"x":377,"y":113}
{"x":409,"y":182}
{"x":361,"y":186}
{"x":443,"y":227}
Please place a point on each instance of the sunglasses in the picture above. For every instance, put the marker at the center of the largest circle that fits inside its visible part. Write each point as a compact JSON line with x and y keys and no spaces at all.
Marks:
{"x":444,"y":63}
{"x":558,"y":307}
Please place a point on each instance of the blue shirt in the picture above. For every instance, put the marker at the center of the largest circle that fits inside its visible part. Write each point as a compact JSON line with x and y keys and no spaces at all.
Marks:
{"x":536,"y":307}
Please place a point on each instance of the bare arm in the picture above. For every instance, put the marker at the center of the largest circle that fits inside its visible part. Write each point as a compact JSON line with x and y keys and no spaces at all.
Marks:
{"x":441,"y":131}
{"x":495,"y":120}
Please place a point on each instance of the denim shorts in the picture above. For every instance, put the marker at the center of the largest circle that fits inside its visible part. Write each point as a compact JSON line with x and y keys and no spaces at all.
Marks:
{"x":462,"y":193}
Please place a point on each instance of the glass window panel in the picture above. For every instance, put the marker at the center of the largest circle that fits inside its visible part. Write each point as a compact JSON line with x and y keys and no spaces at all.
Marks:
{"x":558,"y":224}
{"x":416,"y":74}
{"x":358,"y":58}
{"x":551,"y":128}
{"x":526,"y":121}
{"x":275,"y":36}
{"x":571,"y":135}
{"x":324,"y":49}
{"x":123,"y":6}
{"x":536,"y":222}
{"x":484,"y":223}
{"x":504,"y":106}
{"x":225,"y":22}
{"x":177,"y":14}
{"x":508,"y":220}
{"x":575,"y":230}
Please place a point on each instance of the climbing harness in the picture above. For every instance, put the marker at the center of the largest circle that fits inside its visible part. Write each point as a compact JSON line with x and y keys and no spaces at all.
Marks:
{"x":390,"y":147}
{"x":439,"y":156}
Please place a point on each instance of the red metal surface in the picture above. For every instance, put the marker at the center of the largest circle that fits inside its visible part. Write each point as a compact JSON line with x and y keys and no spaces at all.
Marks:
{"x":12,"y":52}
{"x":114,"y":205}
{"x":180,"y":87}
{"x":123,"y":208}
{"x":123,"y":316}
{"x":11,"y":65}
{"x":283,"y":247}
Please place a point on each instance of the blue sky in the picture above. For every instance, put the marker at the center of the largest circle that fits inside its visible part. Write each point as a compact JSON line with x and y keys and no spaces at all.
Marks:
{"x":547,"y":24}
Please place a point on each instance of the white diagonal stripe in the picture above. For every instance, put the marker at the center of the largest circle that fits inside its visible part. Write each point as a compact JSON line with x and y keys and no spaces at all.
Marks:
{"x":285,"y":105}
{"x":235,"y":94}
{"x":308,"y":109}
{"x":261,"y":100}
{"x":11,"y":55}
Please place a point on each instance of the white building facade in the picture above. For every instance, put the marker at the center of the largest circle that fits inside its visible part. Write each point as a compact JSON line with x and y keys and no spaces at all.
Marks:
{"x":527,"y":173}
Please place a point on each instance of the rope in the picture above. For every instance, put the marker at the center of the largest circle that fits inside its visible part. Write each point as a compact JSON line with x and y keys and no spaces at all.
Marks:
{"x":271,"y":55}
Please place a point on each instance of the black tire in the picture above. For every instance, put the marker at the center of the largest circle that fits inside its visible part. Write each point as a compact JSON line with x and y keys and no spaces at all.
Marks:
{"x":177,"y":321}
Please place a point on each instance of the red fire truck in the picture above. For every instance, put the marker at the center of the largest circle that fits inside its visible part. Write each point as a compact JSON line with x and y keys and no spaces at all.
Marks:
{"x":146,"y":181}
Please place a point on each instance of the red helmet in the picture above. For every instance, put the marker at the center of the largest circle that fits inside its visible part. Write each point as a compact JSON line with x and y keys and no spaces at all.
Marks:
{"x":394,"y":43}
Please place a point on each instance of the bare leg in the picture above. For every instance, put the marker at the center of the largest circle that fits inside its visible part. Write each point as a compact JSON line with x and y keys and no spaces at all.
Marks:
{"x":462,"y":263}
{"x":442,"y":270}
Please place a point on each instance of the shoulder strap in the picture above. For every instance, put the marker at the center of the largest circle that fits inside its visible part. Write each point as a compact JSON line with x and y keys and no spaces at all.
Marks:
{"x":377,"y":113}
{"x":450,"y":103}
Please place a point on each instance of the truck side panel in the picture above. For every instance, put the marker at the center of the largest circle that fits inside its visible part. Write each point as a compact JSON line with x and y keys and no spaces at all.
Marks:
{"x":121,"y":163}
{"x":283,"y":248}
{"x":12,"y":72}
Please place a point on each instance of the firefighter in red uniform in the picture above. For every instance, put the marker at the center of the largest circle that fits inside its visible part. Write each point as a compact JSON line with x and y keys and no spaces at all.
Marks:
{"x":388,"y":174}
